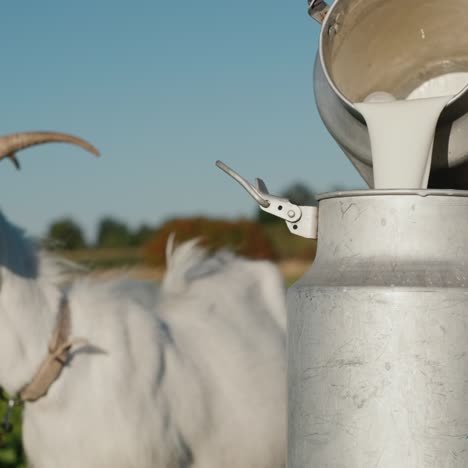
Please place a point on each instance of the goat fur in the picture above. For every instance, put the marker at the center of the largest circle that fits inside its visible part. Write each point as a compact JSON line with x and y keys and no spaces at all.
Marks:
{"x":191,"y":373}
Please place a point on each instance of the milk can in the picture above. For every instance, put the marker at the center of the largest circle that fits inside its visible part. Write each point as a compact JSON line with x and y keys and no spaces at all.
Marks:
{"x":378,"y":334}
{"x":378,"y":329}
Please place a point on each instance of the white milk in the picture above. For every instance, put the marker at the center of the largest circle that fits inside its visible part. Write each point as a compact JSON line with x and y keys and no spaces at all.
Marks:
{"x":443,"y":85}
{"x":402,"y":132}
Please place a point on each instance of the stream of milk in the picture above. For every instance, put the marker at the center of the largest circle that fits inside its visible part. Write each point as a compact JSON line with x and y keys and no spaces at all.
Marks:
{"x":402,"y":131}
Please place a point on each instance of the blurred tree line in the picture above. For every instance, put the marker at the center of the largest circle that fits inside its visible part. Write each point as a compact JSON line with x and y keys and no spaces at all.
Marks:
{"x":66,"y":234}
{"x":264,"y":236}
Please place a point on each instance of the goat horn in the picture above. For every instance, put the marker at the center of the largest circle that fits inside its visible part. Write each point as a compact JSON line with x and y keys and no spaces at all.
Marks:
{"x":10,"y":144}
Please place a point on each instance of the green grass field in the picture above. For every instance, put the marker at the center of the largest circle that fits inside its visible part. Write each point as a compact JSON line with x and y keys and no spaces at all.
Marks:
{"x":11,"y":450}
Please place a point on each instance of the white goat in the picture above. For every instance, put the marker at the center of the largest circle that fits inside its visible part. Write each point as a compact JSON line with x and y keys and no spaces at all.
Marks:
{"x":191,"y":374}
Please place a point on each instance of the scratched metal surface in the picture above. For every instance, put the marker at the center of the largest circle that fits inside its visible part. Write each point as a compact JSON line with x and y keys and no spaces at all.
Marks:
{"x":378,"y":336}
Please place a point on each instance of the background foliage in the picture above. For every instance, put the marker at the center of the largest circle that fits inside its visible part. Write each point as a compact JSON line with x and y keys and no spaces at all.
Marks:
{"x":244,"y":237}
{"x":66,"y":234}
{"x":11,"y":449}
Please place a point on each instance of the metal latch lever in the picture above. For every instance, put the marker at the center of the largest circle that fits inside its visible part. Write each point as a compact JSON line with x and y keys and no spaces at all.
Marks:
{"x":301,"y":220}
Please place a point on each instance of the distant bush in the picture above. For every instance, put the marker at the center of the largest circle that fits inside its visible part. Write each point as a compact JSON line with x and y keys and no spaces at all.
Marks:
{"x":113,"y":233}
{"x":243,"y":237}
{"x":142,"y":235}
{"x":65,"y":234}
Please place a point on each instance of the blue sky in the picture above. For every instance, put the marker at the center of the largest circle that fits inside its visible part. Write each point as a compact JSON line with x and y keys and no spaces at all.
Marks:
{"x":163,"y":89}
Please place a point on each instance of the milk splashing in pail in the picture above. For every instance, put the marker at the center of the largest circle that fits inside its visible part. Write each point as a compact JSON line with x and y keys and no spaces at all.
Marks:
{"x":402,"y":131}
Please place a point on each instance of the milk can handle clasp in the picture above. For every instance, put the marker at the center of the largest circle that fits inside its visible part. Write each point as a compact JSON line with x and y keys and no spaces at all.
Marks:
{"x":301,"y":220}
